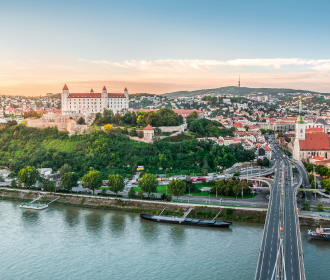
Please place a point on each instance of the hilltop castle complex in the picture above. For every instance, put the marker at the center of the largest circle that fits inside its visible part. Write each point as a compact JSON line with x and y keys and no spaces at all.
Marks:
{"x":86,"y":103}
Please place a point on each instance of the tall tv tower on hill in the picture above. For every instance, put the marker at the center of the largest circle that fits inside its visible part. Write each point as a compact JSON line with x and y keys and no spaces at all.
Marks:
{"x":239,"y":80}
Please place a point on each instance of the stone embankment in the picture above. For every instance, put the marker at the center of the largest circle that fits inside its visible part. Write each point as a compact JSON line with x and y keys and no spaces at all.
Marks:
{"x":254,"y":215}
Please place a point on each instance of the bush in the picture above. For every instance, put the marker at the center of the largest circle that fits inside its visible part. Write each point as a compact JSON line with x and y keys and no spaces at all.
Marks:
{"x":319,"y":207}
{"x":141,"y":194}
{"x":203,"y":181}
{"x":132,"y":132}
{"x":81,"y":120}
{"x":131,"y":193}
{"x":104,"y":192}
{"x":169,"y":198}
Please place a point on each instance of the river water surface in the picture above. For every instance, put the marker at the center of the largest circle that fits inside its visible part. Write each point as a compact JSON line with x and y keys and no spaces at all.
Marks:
{"x":76,"y":243}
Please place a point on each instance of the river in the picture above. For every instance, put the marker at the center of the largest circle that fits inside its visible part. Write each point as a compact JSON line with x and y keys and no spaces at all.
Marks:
{"x":76,"y":243}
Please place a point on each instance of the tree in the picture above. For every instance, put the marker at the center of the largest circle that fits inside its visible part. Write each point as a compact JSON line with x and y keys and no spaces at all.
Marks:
{"x":131,"y":194}
{"x":309,"y":167}
{"x":310,"y":177}
{"x":133,"y":132}
{"x":28,"y":176}
{"x":116,"y":183}
{"x":141,"y":194}
{"x":306,"y":206}
{"x":319,"y":207}
{"x":93,"y":180}
{"x":177,"y":187}
{"x":280,"y":135}
{"x":148,"y":184}
{"x":12,"y":174}
{"x":236,"y":190}
{"x":325,"y":184}
{"x":81,"y":121}
{"x":13,"y":184}
{"x":48,"y":185}
{"x":117,"y":119}
{"x":66,"y":168}
{"x":133,"y":121}
{"x":246,"y":128}
{"x":259,"y":161}
{"x":265,"y":161}
{"x":69,"y":180}
{"x":108,"y":128}
{"x":288,"y":139}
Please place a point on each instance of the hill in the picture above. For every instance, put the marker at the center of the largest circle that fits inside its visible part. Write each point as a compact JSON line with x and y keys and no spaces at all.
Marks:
{"x":241,"y":91}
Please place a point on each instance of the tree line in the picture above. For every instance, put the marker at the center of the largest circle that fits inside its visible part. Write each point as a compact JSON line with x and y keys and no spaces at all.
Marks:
{"x":110,"y":153}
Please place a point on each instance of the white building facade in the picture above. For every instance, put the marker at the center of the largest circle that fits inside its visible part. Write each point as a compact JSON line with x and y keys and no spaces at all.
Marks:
{"x":86,"y":103}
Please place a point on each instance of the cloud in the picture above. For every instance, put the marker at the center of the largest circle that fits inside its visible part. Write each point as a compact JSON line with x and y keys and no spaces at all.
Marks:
{"x":198,"y":64}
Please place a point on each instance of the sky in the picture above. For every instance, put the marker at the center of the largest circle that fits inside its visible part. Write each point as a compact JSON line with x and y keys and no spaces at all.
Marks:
{"x":159,"y":46}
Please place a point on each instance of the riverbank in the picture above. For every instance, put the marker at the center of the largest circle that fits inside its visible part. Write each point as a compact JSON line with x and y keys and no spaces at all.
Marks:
{"x":254,"y":215}
{"x":228,"y":213}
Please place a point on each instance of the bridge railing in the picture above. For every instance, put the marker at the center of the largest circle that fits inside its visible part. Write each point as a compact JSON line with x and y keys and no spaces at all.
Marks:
{"x":263,"y":235}
{"x":301,"y":252}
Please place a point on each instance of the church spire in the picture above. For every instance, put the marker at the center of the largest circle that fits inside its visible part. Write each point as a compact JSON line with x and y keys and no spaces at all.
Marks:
{"x":239,"y":80}
{"x":300,"y":118}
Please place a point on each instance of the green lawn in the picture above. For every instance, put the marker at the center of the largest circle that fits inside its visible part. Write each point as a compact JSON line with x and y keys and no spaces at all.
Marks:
{"x":162,"y":189}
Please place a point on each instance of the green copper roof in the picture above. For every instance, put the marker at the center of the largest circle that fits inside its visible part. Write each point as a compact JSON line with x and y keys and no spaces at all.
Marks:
{"x":300,"y":118}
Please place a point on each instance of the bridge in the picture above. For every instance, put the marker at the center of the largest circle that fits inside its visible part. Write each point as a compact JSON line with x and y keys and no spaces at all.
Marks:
{"x":281,"y":254}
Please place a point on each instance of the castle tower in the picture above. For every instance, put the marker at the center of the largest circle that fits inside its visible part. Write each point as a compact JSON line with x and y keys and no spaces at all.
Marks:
{"x":239,"y":80}
{"x":300,"y":133}
{"x":64,"y":98}
{"x":104,"y":94}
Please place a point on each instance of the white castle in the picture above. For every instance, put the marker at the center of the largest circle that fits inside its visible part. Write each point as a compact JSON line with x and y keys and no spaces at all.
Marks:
{"x":86,"y":103}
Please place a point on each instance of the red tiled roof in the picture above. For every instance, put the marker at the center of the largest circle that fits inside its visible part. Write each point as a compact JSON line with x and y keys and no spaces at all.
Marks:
{"x":65,"y":87}
{"x":92,"y":91}
{"x":104,"y":88}
{"x":314,"y":129}
{"x":321,"y":162}
{"x":317,"y":157}
{"x":125,"y":89}
{"x":314,"y":141}
{"x":266,"y":147}
{"x":237,"y":124}
{"x":95,"y":95}
{"x":116,"y":95}
{"x":148,"y":127}
{"x":85,"y":95}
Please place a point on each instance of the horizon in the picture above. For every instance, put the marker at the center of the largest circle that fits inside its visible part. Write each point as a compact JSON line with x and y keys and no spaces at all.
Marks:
{"x":162,"y":47}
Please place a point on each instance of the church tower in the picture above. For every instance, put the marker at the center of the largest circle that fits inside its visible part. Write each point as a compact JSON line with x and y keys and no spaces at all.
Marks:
{"x":239,"y":80}
{"x":300,"y":133}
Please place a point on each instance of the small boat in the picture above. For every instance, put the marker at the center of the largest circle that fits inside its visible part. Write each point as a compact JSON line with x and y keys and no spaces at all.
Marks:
{"x":185,"y":221}
{"x":37,"y":205}
{"x":320,"y":234}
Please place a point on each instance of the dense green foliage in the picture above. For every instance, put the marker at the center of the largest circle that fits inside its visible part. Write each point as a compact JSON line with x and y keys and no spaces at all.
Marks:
{"x":92,"y":180}
{"x":162,"y":117}
{"x":110,"y":153}
{"x":177,"y":187}
{"x":148,"y":184}
{"x":116,"y":183}
{"x":204,"y":127}
{"x":231,"y":187}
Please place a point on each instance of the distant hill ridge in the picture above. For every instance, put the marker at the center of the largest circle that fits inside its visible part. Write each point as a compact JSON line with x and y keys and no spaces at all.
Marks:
{"x":236,"y":91}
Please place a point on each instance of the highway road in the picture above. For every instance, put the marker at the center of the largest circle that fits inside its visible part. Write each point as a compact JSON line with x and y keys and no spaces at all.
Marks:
{"x":281,"y":254}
